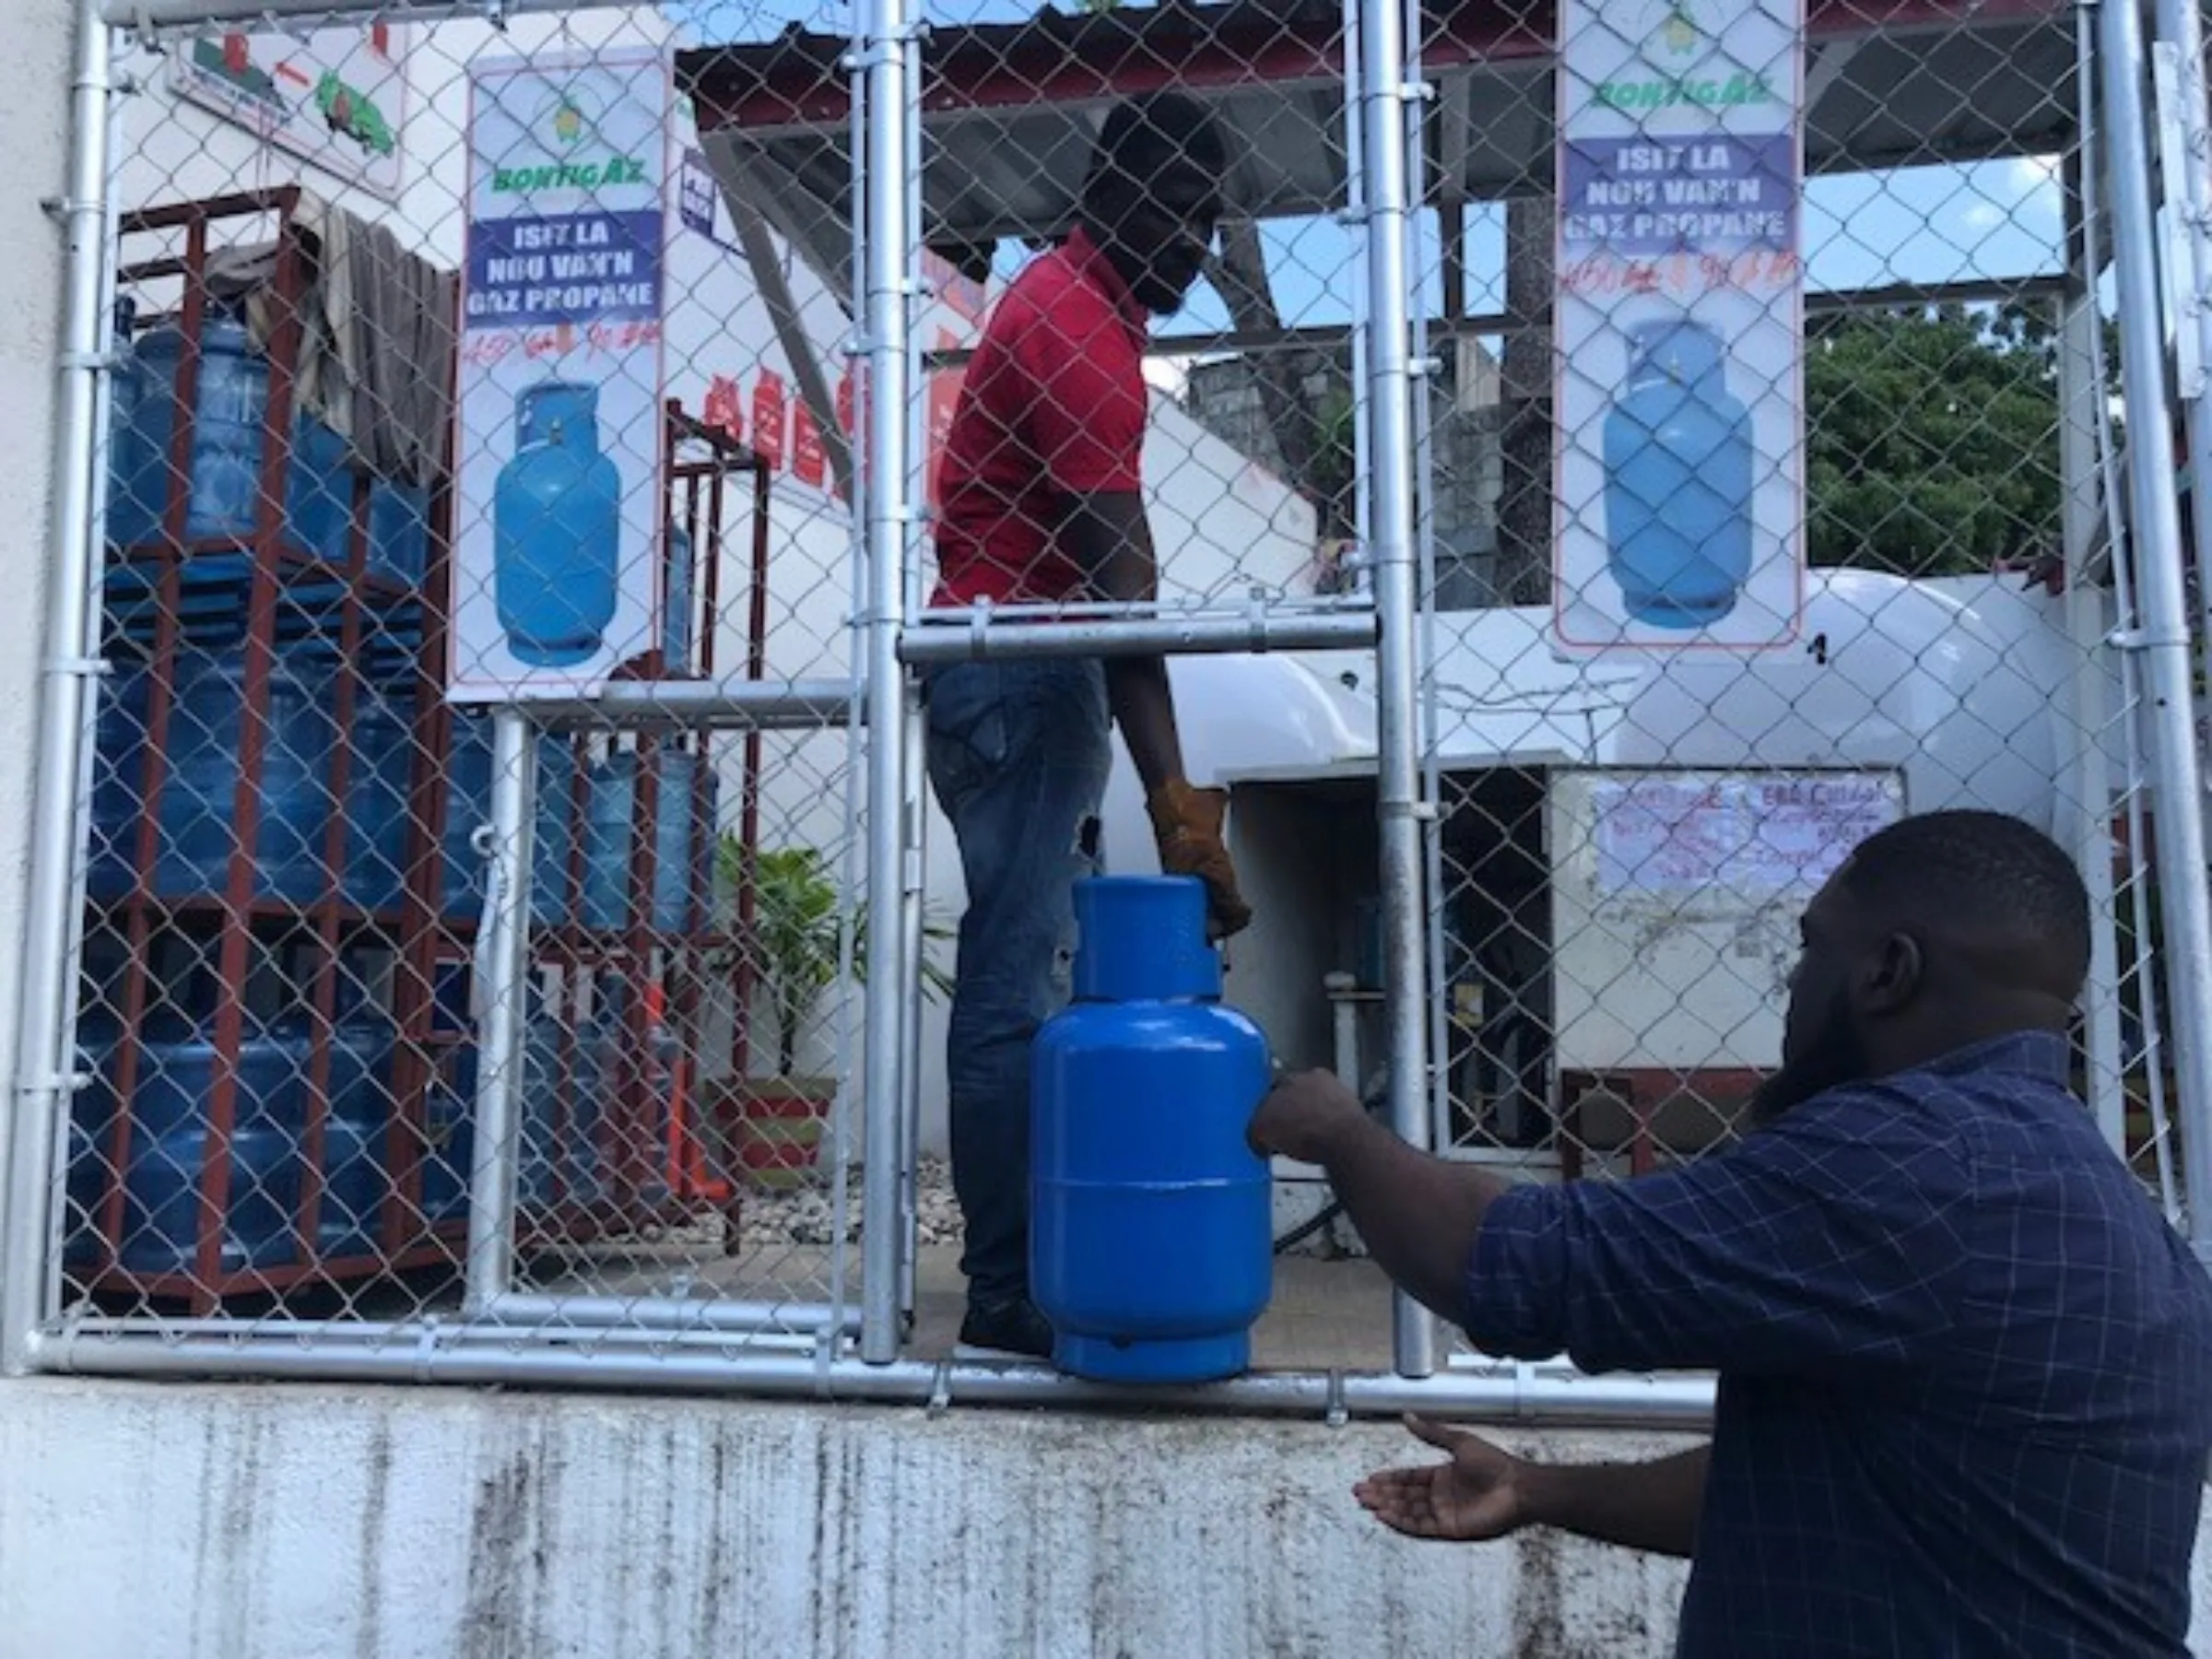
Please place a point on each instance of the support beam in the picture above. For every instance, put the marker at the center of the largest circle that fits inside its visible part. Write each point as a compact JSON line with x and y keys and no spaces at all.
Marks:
{"x":813,"y":386}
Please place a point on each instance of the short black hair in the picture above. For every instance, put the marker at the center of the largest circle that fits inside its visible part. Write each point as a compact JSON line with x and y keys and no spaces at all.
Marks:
{"x":1145,"y":134}
{"x":1985,"y":872}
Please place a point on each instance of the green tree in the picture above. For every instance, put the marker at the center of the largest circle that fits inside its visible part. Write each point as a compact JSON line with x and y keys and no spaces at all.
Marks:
{"x":1932,"y":438}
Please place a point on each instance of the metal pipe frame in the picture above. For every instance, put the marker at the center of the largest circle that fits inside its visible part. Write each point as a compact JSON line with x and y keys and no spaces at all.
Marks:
{"x":46,"y":1013}
{"x":2182,"y":48}
{"x":913,"y":944}
{"x":885,"y":64}
{"x":479,"y":1355}
{"x":702,"y":705}
{"x":156,"y":17}
{"x":1385,"y":92}
{"x":502,"y":970}
{"x":2163,"y":639}
{"x":2089,"y":810}
{"x":982,"y":641}
{"x":534,"y":1310}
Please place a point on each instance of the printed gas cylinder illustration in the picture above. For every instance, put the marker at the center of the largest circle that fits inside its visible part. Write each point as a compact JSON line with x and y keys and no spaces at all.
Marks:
{"x":556,"y":516}
{"x":1678,"y":458}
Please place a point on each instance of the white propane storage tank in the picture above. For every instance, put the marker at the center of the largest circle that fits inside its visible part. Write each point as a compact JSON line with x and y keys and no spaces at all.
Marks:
{"x":1236,"y":715}
{"x":1965,"y":684}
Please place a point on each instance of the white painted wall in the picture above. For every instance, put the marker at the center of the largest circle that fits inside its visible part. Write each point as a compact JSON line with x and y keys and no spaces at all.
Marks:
{"x":35,"y":126}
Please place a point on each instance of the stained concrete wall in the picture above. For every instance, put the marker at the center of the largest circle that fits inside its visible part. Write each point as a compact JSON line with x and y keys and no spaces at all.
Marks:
{"x":299,"y":1522}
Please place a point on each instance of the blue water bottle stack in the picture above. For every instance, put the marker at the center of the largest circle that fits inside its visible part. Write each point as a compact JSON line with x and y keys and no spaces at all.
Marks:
{"x":178,"y":778}
{"x":1151,"y":1247}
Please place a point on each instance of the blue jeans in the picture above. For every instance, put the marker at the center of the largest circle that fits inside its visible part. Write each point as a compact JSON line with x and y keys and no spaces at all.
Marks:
{"x":1018,"y":754}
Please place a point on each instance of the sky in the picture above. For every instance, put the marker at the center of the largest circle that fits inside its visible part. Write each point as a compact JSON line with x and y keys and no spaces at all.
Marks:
{"x":1927,"y":225}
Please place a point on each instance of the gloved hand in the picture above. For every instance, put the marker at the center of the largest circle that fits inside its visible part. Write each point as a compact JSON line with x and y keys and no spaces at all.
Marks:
{"x":1186,"y":823}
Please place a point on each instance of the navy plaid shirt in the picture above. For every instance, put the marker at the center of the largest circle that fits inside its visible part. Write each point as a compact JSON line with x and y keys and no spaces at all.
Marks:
{"x":1965,"y":1397}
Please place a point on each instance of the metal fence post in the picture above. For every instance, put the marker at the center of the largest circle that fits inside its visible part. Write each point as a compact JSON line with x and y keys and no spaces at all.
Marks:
{"x":885,"y":49}
{"x":44,"y":1052}
{"x":1385,"y":91}
{"x":503,"y":972}
{"x":2155,"y":541}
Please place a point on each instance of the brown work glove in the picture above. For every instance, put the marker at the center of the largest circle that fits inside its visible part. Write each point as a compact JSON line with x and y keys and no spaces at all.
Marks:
{"x":1186,"y":823}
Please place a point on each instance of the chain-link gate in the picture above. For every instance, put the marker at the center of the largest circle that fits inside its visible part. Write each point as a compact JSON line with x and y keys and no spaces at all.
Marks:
{"x":569,"y":531}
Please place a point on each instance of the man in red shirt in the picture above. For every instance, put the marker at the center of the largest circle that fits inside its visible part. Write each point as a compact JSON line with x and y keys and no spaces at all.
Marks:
{"x":1041,"y":503}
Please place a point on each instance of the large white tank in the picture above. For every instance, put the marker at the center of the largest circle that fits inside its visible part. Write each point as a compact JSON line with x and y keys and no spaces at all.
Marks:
{"x":1966,"y":684}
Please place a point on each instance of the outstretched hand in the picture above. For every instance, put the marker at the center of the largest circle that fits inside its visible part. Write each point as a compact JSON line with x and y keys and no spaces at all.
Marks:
{"x":1476,"y":1495}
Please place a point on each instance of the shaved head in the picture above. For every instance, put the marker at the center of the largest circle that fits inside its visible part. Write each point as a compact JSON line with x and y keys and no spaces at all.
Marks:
{"x":1938,"y":932}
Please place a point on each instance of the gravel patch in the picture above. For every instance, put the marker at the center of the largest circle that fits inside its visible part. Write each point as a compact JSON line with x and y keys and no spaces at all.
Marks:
{"x":809,"y":1216}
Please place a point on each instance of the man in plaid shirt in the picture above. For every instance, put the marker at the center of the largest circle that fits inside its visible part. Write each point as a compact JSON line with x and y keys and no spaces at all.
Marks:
{"x":1965,"y":1366}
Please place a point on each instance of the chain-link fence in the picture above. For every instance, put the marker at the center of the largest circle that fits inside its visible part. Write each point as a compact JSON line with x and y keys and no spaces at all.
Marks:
{"x":643,"y":553}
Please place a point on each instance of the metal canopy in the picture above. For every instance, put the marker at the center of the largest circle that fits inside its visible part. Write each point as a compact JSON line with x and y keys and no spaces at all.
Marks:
{"x":1009,"y":109}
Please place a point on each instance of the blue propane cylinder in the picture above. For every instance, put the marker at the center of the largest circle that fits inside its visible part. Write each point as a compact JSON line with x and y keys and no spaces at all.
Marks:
{"x":1678,"y":469}
{"x":1151,"y":1249}
{"x":556,"y":525}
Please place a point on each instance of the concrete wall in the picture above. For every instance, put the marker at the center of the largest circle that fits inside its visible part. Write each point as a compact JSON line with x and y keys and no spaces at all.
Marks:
{"x":297,"y":1523}
{"x":300,"y":1523}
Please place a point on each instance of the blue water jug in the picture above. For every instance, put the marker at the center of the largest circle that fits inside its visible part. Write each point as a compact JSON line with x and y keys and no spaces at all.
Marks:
{"x":355,"y":1128}
{"x":170,"y":1134}
{"x":583,"y":1160}
{"x":1151,"y":1249}
{"x":676,"y":615}
{"x":1678,"y":477}
{"x":450,"y":1104}
{"x":223,"y":476}
{"x":537,"y":1145}
{"x":556,"y":522}
{"x":376,"y":790}
{"x":85,"y":1179}
{"x":450,"y":1117}
{"x":555,"y":829}
{"x":399,"y":530}
{"x":681,"y":868}
{"x":467,"y":809}
{"x":131,"y":522}
{"x":197,"y":824}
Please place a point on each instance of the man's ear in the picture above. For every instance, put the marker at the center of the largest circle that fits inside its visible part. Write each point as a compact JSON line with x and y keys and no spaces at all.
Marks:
{"x":1890,"y":975}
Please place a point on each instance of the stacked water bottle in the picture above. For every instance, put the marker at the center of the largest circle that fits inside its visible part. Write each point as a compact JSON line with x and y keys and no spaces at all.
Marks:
{"x":200,"y":726}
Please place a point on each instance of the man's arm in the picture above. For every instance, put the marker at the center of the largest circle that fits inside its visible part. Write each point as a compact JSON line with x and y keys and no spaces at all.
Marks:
{"x":1829,"y":1241}
{"x":1486,"y":1492}
{"x":1111,"y":540}
{"x":1649,"y":1506}
{"x":1419,"y":1216}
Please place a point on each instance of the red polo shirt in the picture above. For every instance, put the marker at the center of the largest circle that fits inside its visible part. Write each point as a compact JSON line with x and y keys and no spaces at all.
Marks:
{"x":1052,"y":408}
